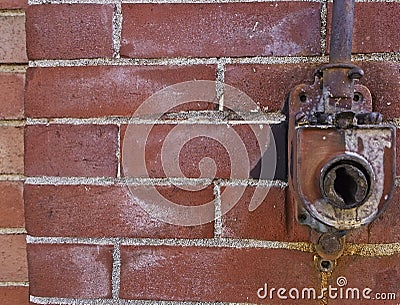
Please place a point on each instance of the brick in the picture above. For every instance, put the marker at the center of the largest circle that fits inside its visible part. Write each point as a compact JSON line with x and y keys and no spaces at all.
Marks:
{"x":71,"y":150}
{"x":380,"y":274}
{"x":13,"y":4}
{"x":385,"y":228}
{"x":11,"y":205}
{"x":12,"y":99}
{"x":397,"y":152}
{"x":268,"y":85}
{"x":65,"y":31}
{"x":82,"y":271}
{"x":107,"y":211}
{"x":214,"y":30}
{"x":266,"y":222}
{"x":375,"y":27}
{"x":14,"y":295}
{"x":212,"y":274}
{"x":13,"y":264}
{"x":11,"y":150}
{"x":382,"y":79}
{"x":207,"y":151}
{"x":104,"y":90}
{"x":12,"y":39}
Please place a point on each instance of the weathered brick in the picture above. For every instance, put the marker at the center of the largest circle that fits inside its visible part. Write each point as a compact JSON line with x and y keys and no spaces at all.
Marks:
{"x":267,"y":222}
{"x":13,"y":4}
{"x":66,"y":31}
{"x":375,"y":27}
{"x":82,"y":271}
{"x":397,"y":152}
{"x":71,"y":150}
{"x":382,"y":79}
{"x":194,"y":151}
{"x":12,"y":39}
{"x":268,"y":85}
{"x":104,"y":90}
{"x":385,"y":229}
{"x":107,"y":211}
{"x":11,"y":150}
{"x":380,"y":274}
{"x":13,"y":264}
{"x":11,"y":205}
{"x":208,"y":30}
{"x":212,"y":274}
{"x":12,"y":99}
{"x":14,"y":295}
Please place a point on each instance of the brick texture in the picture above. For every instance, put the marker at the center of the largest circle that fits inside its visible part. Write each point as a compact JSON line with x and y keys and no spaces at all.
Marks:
{"x":69,"y":31}
{"x":13,"y":264}
{"x":105,"y":211}
{"x":375,"y":27}
{"x":211,"y":274}
{"x":382,"y":79}
{"x":14,"y":295}
{"x":70,"y":270}
{"x":12,"y":39}
{"x":384,"y":277}
{"x":103,"y":91}
{"x":13,"y":4}
{"x":385,"y":228}
{"x":11,"y":205}
{"x":11,"y":150}
{"x":68,"y":150}
{"x":12,"y":99}
{"x":202,"y":150}
{"x":268,"y":222}
{"x":268,"y":85}
{"x":234,"y":29}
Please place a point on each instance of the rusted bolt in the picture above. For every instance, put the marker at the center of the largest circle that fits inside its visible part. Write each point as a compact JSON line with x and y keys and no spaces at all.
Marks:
{"x":346,"y":184}
{"x":330,"y":246}
{"x":356,"y":73}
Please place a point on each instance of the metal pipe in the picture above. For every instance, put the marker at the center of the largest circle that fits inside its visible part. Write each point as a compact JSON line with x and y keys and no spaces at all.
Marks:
{"x":341,"y":31}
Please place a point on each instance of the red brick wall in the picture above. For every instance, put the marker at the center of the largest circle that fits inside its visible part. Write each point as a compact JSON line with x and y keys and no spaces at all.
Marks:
{"x":13,"y":64}
{"x":92,"y":65}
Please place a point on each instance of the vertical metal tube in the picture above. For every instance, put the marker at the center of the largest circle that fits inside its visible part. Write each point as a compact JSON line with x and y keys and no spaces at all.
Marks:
{"x":341,"y":31}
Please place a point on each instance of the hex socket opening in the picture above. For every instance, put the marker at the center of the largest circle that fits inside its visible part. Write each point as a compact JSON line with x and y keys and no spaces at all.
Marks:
{"x":346,"y":182}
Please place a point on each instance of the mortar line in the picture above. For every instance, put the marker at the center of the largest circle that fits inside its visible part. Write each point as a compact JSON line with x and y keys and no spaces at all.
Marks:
{"x":220,"y":84}
{"x":117,"y":29}
{"x":13,"y":68}
{"x":176,"y":61}
{"x":116,"y":270}
{"x":170,"y":181}
{"x":218,"y":212}
{"x":12,"y":123}
{"x":14,"y":284}
{"x":177,"y":242}
{"x":182,"y":61}
{"x":323,"y":14}
{"x":189,"y":118}
{"x":12,"y":13}
{"x":12,"y":177}
{"x":12,"y":231}
{"x":119,"y":152}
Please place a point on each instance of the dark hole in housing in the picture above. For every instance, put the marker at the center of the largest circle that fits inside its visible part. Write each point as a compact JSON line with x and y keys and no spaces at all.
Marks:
{"x":303,"y":98}
{"x":345,"y":186}
{"x":326,"y":265}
